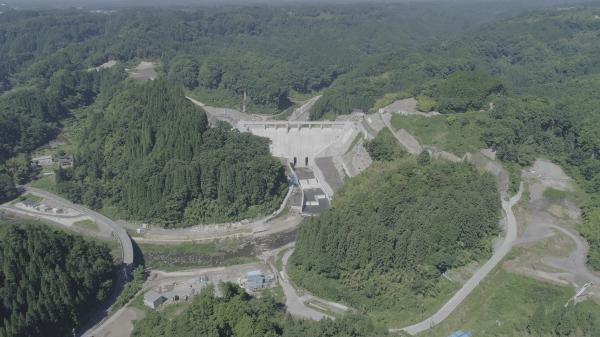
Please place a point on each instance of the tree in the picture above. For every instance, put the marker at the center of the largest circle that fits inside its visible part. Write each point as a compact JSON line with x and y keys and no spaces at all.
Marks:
{"x":7,"y":187}
{"x":394,"y":230}
{"x":20,"y":168}
{"x":153,"y":155}
{"x":209,"y":75}
{"x":424,"y":158}
{"x":184,"y":71}
{"x":384,"y":147}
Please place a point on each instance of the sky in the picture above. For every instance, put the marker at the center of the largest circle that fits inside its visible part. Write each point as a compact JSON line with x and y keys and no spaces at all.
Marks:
{"x":166,"y":3}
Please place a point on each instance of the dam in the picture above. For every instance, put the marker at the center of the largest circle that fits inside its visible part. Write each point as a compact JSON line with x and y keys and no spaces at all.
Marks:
{"x":314,"y":149}
{"x":322,"y":153}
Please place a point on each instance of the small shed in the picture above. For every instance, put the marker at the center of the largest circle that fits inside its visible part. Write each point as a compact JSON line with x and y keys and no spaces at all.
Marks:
{"x":256,"y":280}
{"x":153,"y":299}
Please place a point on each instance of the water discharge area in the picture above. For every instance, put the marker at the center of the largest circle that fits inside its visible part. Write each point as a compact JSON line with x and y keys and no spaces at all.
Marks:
{"x":304,"y":145}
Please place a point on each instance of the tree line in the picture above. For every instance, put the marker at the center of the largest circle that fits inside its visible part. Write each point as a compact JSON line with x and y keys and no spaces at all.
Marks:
{"x":237,"y":313}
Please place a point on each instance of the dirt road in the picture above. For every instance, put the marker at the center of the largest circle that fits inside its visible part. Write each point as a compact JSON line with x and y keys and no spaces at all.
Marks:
{"x":303,"y":112}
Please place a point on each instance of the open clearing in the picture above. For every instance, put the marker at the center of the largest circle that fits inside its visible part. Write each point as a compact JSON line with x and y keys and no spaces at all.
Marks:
{"x":145,"y":71}
{"x":458,"y":133}
{"x":87,"y":224}
{"x":553,"y":250}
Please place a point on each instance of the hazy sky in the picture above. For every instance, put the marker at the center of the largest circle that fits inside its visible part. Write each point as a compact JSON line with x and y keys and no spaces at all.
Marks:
{"x":166,"y":3}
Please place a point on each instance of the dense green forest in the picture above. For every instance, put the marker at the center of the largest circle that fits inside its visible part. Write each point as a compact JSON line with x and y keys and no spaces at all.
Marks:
{"x":146,"y":150}
{"x":272,"y":53}
{"x":48,"y":280}
{"x":152,"y":153}
{"x":393,"y":230}
{"x":267,"y":51}
{"x":238,"y":314}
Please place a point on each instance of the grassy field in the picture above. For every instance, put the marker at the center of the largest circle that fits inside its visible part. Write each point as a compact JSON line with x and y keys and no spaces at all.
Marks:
{"x":46,"y":183}
{"x":501,"y":306}
{"x":457,"y":133}
{"x":555,"y":195}
{"x":87,"y":224}
{"x":112,"y":211}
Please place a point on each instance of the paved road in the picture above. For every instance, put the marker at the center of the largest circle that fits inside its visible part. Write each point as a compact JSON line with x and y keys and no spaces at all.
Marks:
{"x":117,"y":231}
{"x":293,"y":302}
{"x":105,"y":225}
{"x":499,"y":254}
{"x":274,"y":223}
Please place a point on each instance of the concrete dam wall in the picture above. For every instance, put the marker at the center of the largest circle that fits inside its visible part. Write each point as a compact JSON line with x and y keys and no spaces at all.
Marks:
{"x":302,"y":142}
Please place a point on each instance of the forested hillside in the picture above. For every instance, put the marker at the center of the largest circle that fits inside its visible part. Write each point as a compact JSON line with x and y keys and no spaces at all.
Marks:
{"x":393,"y":230}
{"x":31,"y":116}
{"x":239,"y":314}
{"x":48,"y":280}
{"x":274,"y":54}
{"x":152,"y":153}
{"x":267,"y":51}
{"x":539,"y":88}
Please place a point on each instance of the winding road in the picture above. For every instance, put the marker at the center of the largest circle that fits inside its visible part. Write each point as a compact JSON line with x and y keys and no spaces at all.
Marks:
{"x":480,"y":274}
{"x":108,"y":228}
{"x":107,"y":224}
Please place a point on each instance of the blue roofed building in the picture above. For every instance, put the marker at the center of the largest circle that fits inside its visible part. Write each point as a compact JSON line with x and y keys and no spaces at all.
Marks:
{"x":460,"y":333}
{"x":256,"y":280}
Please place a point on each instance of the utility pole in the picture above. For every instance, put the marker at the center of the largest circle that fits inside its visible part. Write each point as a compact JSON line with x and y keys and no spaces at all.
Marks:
{"x":244,"y":102}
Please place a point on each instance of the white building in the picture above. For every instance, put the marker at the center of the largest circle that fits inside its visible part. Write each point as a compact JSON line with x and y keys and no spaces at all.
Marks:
{"x":43,"y":161}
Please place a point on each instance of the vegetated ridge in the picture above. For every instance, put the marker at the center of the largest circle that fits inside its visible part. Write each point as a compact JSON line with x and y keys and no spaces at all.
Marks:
{"x":153,"y":154}
{"x":393,"y":230}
